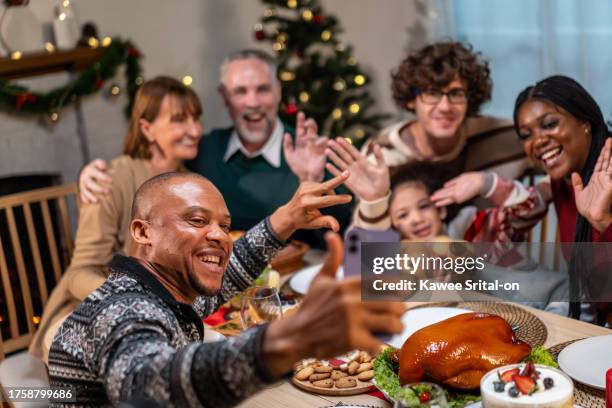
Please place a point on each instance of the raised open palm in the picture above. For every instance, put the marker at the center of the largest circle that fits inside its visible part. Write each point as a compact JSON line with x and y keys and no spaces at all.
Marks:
{"x":369,"y":181}
{"x":594,"y":201}
{"x":306,"y":157}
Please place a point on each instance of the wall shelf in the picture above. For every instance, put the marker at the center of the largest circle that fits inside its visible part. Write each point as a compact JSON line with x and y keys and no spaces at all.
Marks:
{"x":47,"y":63}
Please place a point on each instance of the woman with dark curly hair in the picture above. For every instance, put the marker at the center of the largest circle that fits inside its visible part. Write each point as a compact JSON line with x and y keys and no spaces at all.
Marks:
{"x":444,"y":85}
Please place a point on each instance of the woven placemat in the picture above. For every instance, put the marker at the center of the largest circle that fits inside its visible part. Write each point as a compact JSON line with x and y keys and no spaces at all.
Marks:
{"x":530,"y":328}
{"x":585,"y":396}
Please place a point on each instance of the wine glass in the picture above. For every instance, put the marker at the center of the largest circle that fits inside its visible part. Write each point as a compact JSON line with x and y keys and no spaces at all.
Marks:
{"x":260,"y":304}
{"x":435,"y":396}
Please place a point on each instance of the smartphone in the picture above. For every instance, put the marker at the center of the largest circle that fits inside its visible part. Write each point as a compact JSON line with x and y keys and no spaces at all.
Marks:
{"x":353,"y":238}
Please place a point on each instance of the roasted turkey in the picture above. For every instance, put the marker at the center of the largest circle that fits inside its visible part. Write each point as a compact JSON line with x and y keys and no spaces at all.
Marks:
{"x":460,"y":350}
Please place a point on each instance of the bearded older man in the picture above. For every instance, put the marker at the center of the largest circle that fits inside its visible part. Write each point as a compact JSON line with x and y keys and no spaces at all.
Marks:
{"x":137,"y":337}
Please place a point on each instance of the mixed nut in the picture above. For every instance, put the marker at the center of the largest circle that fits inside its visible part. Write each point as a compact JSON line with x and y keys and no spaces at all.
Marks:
{"x":323,"y":374}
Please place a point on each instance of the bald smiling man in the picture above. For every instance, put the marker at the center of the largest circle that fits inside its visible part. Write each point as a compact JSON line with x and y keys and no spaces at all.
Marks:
{"x":139,"y":336}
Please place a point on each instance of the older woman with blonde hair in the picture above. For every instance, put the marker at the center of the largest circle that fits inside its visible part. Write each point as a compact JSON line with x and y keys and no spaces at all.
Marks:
{"x":164,"y":130}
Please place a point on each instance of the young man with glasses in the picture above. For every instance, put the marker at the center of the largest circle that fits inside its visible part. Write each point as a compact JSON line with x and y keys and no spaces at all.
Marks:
{"x":444,"y":85}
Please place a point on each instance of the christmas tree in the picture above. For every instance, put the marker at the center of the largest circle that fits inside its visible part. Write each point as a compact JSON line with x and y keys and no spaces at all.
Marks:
{"x":319,"y":73}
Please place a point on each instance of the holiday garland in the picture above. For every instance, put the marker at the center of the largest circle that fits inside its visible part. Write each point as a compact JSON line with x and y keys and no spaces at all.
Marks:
{"x":16,"y":98}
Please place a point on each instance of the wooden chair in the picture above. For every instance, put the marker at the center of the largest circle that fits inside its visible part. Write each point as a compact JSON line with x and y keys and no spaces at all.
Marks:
{"x":36,"y":246}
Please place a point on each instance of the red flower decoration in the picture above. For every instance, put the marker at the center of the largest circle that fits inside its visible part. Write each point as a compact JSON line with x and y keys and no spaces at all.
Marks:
{"x":260,"y":35}
{"x":22,"y":98}
{"x":291,"y":109}
{"x":134,"y":52}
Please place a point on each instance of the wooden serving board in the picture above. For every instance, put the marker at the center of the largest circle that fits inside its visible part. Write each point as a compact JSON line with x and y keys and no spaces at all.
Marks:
{"x":361,"y":388}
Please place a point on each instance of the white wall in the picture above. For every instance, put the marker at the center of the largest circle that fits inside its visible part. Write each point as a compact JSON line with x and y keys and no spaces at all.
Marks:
{"x":179,"y":38}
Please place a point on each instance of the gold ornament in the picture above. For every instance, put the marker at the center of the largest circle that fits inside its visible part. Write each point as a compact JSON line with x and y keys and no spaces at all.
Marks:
{"x":354,"y":108}
{"x":339,"y":85}
{"x":304,"y":97}
{"x":278,"y":46}
{"x":326,"y":35}
{"x":337,"y":113}
{"x":287,"y":76}
{"x":359,"y":79}
{"x":187,"y":80}
{"x":281,"y":38}
{"x":307,"y":15}
{"x":292,"y":4}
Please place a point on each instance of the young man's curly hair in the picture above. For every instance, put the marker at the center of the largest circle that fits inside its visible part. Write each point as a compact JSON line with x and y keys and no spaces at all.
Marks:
{"x":435,"y":66}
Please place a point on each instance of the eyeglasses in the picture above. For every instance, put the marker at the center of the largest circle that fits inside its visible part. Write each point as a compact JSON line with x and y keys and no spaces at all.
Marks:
{"x":434,"y":96}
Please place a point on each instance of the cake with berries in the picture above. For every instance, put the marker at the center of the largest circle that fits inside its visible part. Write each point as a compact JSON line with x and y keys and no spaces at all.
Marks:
{"x":526,"y":385}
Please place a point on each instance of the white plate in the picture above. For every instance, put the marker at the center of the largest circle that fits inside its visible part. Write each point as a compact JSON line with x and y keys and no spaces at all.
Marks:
{"x":587,"y":360}
{"x":416,"y":319}
{"x":300,"y":281}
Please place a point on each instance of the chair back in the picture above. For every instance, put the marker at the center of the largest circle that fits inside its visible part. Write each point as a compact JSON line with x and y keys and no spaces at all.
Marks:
{"x":36,"y":246}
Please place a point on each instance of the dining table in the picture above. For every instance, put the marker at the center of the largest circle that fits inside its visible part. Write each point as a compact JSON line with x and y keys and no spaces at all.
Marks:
{"x":560,"y":329}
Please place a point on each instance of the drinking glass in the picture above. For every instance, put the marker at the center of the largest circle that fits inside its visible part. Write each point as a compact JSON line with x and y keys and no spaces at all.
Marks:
{"x":260,"y":304}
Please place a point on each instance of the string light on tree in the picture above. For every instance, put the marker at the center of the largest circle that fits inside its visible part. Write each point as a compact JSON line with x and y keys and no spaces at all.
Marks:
{"x":359,"y":134}
{"x":54,"y":116}
{"x":139,"y":80}
{"x":304,"y":97}
{"x":106,"y":41}
{"x":49,"y":47}
{"x":359,"y":80}
{"x":340,"y":47}
{"x":339,"y":85}
{"x":354,"y":108}
{"x":278,"y":46}
{"x":326,"y":35}
{"x":287,"y":76}
{"x":352,"y":61}
{"x":307,"y":15}
{"x":36,"y":319}
{"x":93,"y":42}
{"x":337,"y":114}
{"x":292,"y":4}
{"x":16,"y":55}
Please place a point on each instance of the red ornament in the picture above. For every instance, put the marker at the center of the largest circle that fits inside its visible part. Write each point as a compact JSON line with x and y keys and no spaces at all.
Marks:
{"x":99,"y":82}
{"x":424,"y":397}
{"x":22,"y":98}
{"x":260,"y":35}
{"x":134,"y":52}
{"x":291,"y":109}
{"x":318,"y":19}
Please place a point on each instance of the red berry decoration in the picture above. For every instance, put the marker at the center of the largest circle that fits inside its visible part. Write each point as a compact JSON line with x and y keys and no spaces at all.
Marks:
{"x":506,"y":376}
{"x":291,"y":109}
{"x":424,"y":396}
{"x":526,"y":385}
{"x":260,"y":35}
